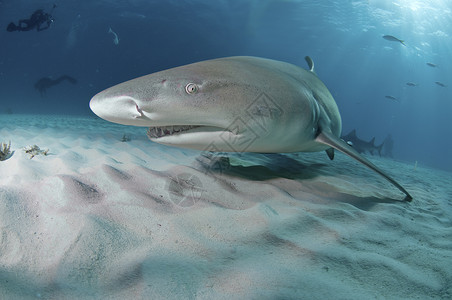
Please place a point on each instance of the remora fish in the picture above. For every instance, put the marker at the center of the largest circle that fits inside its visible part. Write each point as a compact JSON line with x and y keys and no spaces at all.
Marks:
{"x":391,"y":97}
{"x":440,"y":84}
{"x":233,"y":104}
{"x":393,"y":39}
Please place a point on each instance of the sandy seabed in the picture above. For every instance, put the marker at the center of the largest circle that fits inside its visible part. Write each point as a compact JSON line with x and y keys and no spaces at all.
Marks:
{"x":98,"y":217}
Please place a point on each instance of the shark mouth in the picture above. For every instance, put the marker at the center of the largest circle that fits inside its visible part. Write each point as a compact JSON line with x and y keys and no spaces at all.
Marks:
{"x":157,"y":132}
{"x":165,"y":131}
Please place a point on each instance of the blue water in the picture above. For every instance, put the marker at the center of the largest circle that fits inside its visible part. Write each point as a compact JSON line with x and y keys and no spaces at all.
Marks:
{"x":343,"y":37}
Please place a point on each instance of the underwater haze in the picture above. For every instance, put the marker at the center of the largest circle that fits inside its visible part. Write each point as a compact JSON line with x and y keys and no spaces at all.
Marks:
{"x":91,"y":209}
{"x":366,"y":74}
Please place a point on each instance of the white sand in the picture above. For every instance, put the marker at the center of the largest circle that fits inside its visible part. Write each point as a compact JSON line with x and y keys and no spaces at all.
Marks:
{"x":101,"y":218}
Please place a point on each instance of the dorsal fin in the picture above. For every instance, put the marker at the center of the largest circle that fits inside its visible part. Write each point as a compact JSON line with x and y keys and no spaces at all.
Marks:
{"x":310,"y":64}
{"x":372,"y":141}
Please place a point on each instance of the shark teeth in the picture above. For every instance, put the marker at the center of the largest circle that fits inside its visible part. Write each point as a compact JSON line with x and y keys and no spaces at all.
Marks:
{"x":156,"y":132}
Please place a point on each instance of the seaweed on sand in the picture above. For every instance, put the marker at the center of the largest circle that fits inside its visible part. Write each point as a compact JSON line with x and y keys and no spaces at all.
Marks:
{"x":125,"y":138}
{"x":5,"y":151}
{"x":35,"y":150}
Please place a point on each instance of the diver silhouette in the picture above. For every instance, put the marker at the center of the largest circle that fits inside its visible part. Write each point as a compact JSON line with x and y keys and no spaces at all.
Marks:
{"x":39,"y":20}
{"x":46,"y":82}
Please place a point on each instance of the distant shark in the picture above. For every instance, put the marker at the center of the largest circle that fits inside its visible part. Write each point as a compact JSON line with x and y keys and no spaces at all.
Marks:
{"x":360,"y":145}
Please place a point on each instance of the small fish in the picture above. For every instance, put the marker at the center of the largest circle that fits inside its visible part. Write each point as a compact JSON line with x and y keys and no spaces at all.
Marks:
{"x":391,"y":97}
{"x":412,"y":84}
{"x":440,"y":84}
{"x":115,"y":36}
{"x":431,"y":65}
{"x":393,"y":39}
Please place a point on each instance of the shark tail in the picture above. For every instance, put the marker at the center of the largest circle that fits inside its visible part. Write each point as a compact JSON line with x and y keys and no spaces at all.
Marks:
{"x":379,"y":148}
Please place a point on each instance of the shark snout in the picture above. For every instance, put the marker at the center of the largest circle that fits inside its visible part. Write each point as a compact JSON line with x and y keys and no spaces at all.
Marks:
{"x":118,"y":109}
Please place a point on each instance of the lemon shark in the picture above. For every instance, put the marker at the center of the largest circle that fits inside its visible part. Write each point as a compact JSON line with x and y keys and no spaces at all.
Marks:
{"x":233,"y":104}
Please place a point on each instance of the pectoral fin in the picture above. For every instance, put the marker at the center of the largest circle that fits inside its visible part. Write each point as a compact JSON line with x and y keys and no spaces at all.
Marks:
{"x":329,"y":139}
{"x":330,"y":153}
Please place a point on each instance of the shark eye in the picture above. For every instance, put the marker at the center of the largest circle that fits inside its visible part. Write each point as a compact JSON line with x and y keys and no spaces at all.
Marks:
{"x":191,"y":88}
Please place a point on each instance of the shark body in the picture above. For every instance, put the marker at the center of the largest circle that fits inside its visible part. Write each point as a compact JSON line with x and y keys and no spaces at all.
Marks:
{"x":233,"y":104}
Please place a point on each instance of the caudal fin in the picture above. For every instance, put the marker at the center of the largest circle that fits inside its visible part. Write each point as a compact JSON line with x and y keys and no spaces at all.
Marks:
{"x":379,"y":148}
{"x":332,"y":141}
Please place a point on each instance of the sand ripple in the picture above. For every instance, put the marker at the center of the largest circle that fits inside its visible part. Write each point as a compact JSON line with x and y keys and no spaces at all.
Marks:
{"x":101,"y":218}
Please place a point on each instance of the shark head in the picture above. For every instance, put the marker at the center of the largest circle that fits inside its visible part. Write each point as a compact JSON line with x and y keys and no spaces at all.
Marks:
{"x":209,"y":104}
